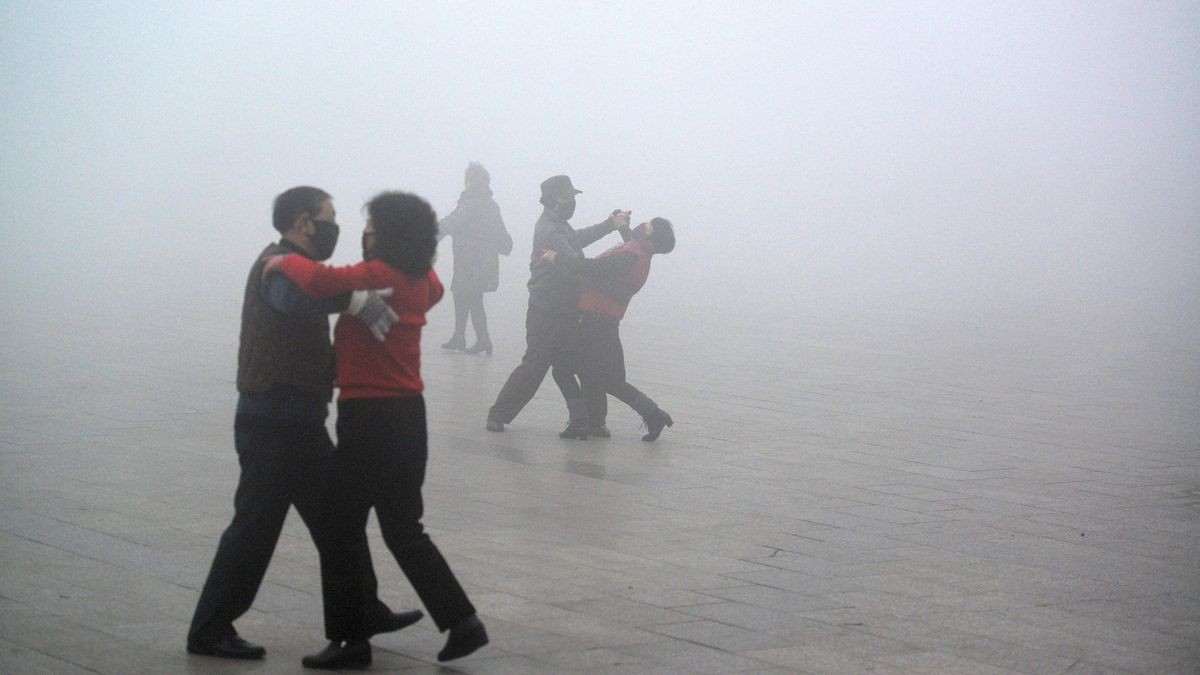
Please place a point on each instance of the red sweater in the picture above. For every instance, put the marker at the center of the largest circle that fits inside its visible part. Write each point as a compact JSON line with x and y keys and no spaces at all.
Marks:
{"x":610,"y":295}
{"x":366,"y":367}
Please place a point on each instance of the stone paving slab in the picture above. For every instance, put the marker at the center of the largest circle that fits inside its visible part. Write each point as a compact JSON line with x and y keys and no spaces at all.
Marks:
{"x":857,"y":492}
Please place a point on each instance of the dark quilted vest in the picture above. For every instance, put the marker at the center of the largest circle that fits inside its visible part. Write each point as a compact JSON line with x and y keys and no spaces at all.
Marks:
{"x":277,"y":349}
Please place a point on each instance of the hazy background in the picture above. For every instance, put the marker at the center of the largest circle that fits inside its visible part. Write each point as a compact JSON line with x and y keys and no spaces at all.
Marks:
{"x":923,"y":247}
{"x":985,"y":161}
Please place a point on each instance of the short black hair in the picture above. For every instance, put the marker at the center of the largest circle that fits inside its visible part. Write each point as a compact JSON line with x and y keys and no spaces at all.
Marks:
{"x":295,"y":202}
{"x":663,"y":235}
{"x":405,"y":231}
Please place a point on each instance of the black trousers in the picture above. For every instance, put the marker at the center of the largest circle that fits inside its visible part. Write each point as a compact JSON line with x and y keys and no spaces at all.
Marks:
{"x":283,"y":462}
{"x":382,"y":452}
{"x":469,"y":303}
{"x":602,"y":369}
{"x":551,"y":341}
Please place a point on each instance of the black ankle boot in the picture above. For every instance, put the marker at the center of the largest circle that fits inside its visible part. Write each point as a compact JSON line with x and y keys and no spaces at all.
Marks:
{"x":483,"y":344}
{"x":655,"y":423}
{"x":456,"y":343}
{"x":465,"y":637}
{"x":340,"y":655}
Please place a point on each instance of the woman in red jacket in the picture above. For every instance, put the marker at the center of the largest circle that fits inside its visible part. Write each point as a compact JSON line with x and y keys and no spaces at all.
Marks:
{"x":610,"y":281}
{"x":381,"y":426}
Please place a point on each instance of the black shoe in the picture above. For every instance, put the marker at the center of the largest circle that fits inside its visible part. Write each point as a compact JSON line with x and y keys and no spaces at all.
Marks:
{"x":456,"y":343}
{"x":575,"y":430}
{"x":481,"y":345}
{"x":340,"y":655}
{"x":494,"y":424}
{"x":465,"y":637}
{"x":600,"y":431}
{"x":228,"y":647}
{"x":394,"y":621}
{"x":655,"y":424}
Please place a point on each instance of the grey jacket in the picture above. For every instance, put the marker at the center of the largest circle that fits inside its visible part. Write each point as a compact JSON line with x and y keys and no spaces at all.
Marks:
{"x":479,"y":238}
{"x":556,"y":286}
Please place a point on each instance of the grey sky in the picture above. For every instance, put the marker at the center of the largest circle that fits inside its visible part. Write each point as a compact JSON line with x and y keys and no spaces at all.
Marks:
{"x":972,"y":151}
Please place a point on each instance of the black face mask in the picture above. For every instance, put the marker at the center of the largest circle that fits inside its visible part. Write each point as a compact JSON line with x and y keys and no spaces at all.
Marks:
{"x":565,"y":210}
{"x":325,"y":238}
{"x":367,"y":256}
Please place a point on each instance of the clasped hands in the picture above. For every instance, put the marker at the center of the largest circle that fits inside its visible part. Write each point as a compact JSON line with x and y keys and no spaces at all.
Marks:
{"x":618,"y":218}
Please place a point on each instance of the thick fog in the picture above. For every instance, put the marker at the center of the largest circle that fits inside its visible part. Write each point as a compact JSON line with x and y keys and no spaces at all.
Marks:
{"x":937,"y":156}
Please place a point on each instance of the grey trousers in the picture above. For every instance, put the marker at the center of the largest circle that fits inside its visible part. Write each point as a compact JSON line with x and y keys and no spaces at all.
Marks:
{"x":602,"y":369}
{"x":551,"y":342}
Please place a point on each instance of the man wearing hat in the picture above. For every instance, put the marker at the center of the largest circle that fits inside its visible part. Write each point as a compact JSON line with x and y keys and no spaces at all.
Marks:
{"x":552,"y":320}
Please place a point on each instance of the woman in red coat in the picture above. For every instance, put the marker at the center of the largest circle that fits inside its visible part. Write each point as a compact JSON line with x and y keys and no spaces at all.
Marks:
{"x":381,"y":426}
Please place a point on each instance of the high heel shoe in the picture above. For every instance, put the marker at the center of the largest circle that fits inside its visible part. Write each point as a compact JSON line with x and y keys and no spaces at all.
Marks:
{"x":457,"y":343}
{"x":482,"y":345}
{"x":655,"y":423}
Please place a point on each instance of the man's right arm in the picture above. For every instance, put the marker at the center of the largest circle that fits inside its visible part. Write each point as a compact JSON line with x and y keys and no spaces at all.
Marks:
{"x":285,"y":297}
{"x":565,"y":257}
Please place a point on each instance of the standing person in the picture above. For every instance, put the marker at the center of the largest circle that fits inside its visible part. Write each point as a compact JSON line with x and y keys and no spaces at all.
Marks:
{"x":284,"y":382}
{"x":607,"y":290}
{"x":480,"y":238}
{"x":552,"y":320}
{"x":381,"y":426}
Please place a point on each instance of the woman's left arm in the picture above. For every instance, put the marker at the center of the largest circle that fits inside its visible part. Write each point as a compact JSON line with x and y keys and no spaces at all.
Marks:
{"x":322,"y":281}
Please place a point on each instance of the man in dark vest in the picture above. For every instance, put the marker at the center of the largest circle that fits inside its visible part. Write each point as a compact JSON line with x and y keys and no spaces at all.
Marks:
{"x":610,"y":282}
{"x":285,"y":382}
{"x":552,"y":321}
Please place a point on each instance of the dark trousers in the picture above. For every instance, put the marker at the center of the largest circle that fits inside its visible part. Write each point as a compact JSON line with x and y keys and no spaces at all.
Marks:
{"x":469,"y":303}
{"x":602,"y":369}
{"x":283,"y":462}
{"x":551,"y":341}
{"x":382,"y":451}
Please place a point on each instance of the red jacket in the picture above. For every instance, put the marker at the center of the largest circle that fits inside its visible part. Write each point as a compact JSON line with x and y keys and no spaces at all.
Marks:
{"x":610,"y":295}
{"x":366,"y":367}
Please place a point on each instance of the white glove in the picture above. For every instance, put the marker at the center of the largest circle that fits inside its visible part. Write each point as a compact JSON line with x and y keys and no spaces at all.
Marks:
{"x":369,"y":308}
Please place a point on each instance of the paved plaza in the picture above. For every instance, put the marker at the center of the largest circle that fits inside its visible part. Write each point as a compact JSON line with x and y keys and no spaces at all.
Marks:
{"x":847,"y":489}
